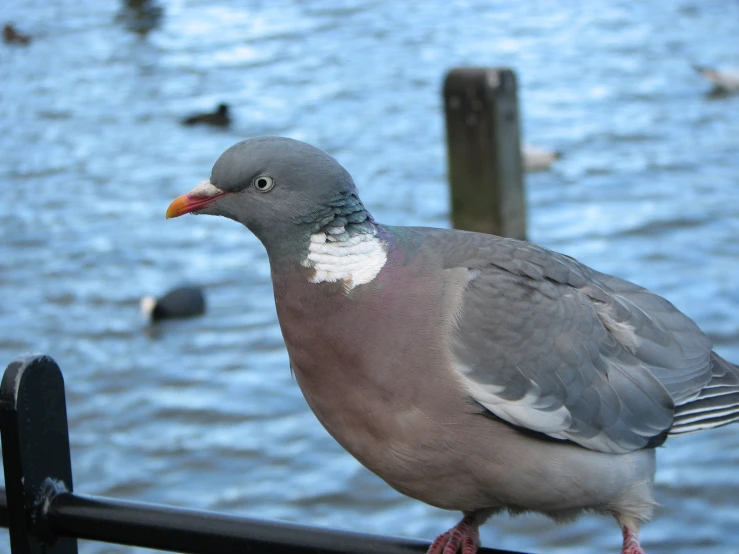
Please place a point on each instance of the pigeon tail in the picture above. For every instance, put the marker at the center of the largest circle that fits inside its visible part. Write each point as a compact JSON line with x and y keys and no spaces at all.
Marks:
{"x":717,"y":404}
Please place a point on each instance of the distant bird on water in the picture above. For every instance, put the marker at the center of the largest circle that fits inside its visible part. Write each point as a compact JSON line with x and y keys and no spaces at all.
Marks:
{"x":12,"y":36}
{"x":218,"y":118}
{"x":726,"y":82}
{"x":469,"y":371}
{"x":538,"y":159}
{"x":140,"y":16}
{"x":183,"y":301}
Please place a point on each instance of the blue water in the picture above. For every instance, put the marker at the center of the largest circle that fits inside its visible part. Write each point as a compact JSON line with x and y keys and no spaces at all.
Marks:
{"x":204,"y":413}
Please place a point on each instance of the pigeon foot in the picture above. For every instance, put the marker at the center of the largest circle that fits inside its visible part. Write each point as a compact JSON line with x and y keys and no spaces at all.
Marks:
{"x":631,"y":542}
{"x":463,"y":537}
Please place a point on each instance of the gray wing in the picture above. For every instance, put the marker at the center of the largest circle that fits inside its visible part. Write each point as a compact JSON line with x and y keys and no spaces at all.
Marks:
{"x":551,"y":345}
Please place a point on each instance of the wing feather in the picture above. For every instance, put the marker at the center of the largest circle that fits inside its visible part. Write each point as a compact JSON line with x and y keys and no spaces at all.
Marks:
{"x":551,"y":345}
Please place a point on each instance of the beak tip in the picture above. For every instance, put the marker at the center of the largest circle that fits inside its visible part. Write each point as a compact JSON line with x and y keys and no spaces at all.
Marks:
{"x":189,"y":203}
{"x":177,"y":208}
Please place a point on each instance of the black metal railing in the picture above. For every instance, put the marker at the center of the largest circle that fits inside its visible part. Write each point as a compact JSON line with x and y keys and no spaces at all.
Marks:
{"x":45,"y":516}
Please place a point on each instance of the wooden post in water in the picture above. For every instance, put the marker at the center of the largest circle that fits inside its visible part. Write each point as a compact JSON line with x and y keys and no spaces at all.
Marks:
{"x":484,"y":151}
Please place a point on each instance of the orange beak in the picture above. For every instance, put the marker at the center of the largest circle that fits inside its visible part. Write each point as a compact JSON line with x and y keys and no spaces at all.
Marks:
{"x":189,"y":203}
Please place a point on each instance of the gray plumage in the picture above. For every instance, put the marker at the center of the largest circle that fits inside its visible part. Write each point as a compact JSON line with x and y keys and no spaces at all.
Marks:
{"x":626,"y":365}
{"x":469,"y":371}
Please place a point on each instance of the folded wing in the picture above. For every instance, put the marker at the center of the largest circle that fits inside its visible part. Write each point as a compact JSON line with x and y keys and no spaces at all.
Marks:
{"x":552,"y":346}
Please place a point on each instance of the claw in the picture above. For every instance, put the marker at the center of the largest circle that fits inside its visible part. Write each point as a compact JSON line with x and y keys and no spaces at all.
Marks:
{"x":465,"y":536}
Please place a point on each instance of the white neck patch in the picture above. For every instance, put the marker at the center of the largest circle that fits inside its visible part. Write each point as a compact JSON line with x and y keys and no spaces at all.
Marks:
{"x":336,"y":256}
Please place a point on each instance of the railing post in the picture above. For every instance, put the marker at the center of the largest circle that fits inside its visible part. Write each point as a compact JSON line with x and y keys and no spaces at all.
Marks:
{"x":484,"y":151}
{"x":35,"y":440}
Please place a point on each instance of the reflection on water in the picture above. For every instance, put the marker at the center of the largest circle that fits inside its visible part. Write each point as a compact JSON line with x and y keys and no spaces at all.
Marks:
{"x":203,"y":413}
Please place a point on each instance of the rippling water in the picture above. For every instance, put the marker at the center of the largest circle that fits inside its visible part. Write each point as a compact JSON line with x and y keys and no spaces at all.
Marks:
{"x":203,"y":413}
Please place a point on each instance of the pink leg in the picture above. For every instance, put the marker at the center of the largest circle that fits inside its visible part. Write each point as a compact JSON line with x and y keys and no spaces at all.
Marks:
{"x":464,"y":535}
{"x":471,"y":543}
{"x":631,"y":542}
{"x":438,"y":545}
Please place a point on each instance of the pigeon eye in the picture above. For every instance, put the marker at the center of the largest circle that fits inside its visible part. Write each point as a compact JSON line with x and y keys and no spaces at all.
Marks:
{"x":264,"y":183}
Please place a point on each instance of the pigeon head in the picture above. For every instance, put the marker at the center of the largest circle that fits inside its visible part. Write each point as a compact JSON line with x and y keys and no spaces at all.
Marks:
{"x":282,"y":189}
